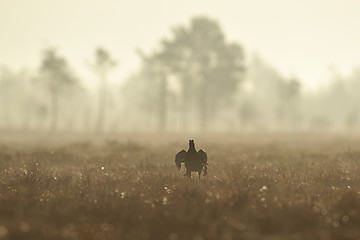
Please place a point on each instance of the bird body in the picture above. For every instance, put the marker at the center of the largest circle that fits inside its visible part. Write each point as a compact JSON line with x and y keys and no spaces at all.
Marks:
{"x":195,"y":161}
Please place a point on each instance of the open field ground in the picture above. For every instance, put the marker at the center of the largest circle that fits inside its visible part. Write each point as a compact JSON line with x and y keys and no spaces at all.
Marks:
{"x":121,"y":187}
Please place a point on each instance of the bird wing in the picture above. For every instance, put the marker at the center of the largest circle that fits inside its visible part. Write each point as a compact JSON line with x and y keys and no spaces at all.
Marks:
{"x":180,"y":158}
{"x":203,"y":156}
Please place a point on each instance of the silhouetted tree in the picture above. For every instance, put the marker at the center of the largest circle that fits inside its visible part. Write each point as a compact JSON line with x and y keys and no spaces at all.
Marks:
{"x":156,"y":74}
{"x":207,"y":65}
{"x":289,"y":95}
{"x":162,"y":97}
{"x":103,"y":63}
{"x":56,"y":76}
{"x":275,"y":98}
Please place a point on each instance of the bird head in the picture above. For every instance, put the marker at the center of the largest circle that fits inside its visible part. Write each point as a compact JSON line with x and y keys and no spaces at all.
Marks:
{"x":191,"y":143}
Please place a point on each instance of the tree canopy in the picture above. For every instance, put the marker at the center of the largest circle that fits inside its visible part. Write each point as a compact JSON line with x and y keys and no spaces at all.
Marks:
{"x":208,"y":66}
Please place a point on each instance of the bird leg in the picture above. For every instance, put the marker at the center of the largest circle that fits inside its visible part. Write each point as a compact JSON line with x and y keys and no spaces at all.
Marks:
{"x":188,"y":174}
{"x":205,"y":170}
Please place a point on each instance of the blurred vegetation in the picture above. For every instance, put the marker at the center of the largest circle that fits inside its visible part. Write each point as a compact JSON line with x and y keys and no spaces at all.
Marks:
{"x":195,"y":79}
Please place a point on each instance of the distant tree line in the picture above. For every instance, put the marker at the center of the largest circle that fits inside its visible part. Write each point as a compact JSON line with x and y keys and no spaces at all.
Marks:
{"x":195,"y":80}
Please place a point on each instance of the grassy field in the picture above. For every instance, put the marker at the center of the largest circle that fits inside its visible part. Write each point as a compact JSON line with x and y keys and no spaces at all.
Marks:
{"x":121,"y":187}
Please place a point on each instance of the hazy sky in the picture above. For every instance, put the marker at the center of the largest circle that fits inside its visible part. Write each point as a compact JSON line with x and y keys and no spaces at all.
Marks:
{"x":299,"y":37}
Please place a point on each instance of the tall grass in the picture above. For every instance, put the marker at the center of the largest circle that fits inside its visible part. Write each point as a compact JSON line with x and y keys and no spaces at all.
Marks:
{"x":286,"y":188}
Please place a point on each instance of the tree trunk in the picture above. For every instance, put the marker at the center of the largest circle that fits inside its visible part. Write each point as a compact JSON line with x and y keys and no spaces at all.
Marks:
{"x":186,"y":101}
{"x":203,"y":105}
{"x":54,"y":110}
{"x":102,"y":105}
{"x":203,"y":113}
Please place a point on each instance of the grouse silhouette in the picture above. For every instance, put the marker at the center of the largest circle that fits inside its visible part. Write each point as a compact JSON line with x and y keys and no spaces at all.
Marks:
{"x":194,"y":161}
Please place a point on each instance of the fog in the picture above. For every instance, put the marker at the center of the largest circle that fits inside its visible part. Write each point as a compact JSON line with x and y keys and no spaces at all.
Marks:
{"x":108,"y":67}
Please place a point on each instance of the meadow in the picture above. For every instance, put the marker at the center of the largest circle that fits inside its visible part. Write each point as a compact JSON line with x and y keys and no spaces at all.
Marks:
{"x":275,"y":186}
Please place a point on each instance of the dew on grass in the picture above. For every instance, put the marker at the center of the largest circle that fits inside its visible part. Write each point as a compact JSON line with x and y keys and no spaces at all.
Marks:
{"x":263,"y":189}
{"x":335,"y":224}
{"x":323,"y":211}
{"x":345,"y":218}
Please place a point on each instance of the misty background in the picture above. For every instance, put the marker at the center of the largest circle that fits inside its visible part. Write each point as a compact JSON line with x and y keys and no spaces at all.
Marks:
{"x":209,"y":66}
